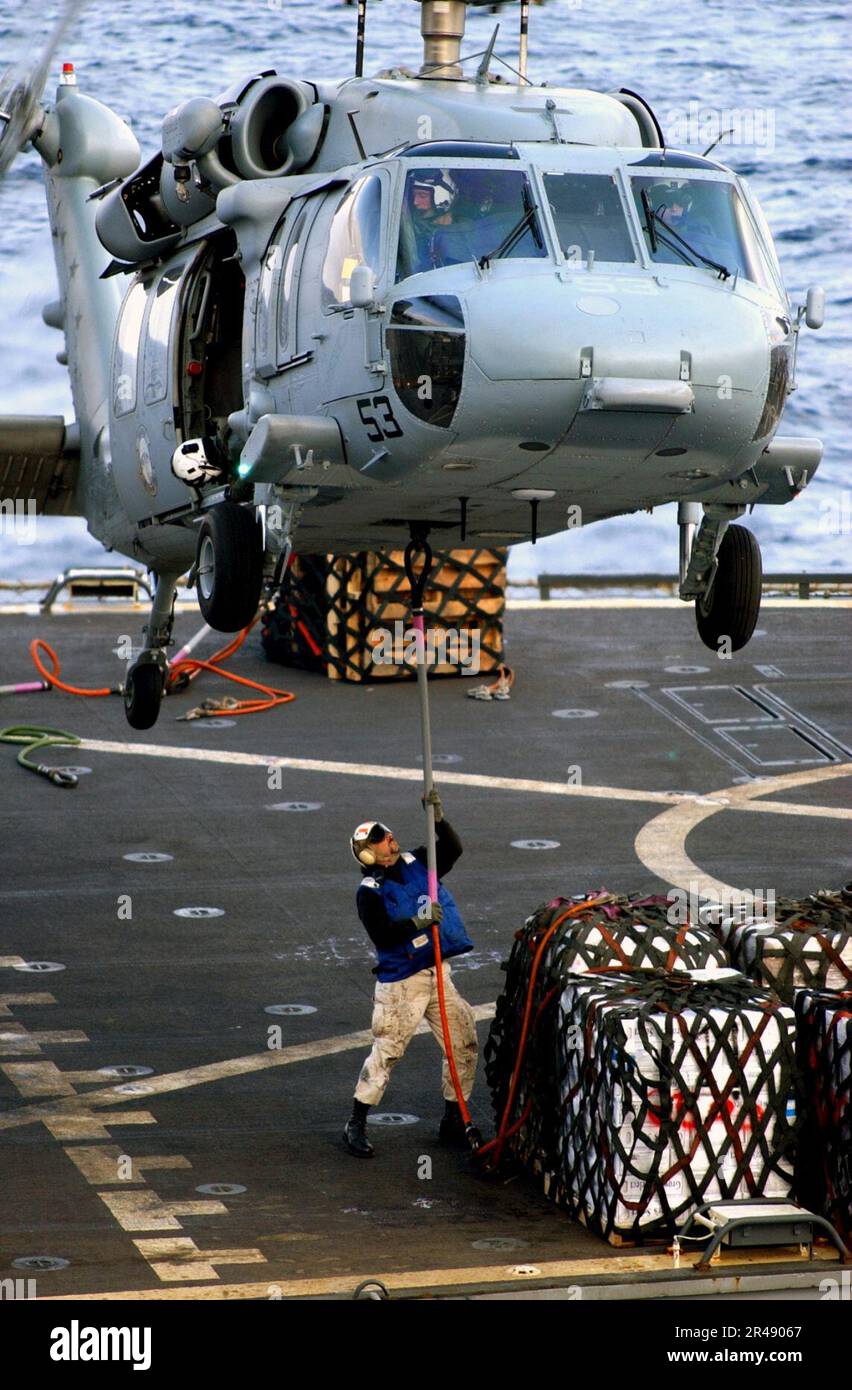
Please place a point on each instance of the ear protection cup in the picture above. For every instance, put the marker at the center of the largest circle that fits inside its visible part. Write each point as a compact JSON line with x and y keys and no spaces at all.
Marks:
{"x":362,"y":851}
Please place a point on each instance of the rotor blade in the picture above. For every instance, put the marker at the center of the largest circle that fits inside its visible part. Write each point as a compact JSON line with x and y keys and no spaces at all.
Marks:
{"x":22,"y":84}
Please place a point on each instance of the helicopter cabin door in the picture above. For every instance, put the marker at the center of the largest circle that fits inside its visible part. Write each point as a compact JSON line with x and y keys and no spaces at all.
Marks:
{"x":349,"y":231}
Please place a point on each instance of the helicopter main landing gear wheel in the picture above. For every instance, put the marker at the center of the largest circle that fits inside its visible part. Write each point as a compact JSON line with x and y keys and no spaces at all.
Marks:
{"x":731,"y":608}
{"x":143,"y":693}
{"x":229,"y":566}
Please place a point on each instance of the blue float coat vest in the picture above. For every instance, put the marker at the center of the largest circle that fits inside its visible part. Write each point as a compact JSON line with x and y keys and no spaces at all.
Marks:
{"x":403,"y":900}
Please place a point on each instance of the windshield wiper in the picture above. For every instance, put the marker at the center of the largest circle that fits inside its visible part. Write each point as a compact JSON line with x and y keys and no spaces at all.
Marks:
{"x":512,"y":238}
{"x":651,"y":216}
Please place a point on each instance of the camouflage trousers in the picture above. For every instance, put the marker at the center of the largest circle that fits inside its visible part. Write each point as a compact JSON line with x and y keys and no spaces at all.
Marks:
{"x":400,"y":1005}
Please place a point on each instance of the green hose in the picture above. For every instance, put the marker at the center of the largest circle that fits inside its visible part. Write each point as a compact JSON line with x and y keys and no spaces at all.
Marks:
{"x":36,"y":737}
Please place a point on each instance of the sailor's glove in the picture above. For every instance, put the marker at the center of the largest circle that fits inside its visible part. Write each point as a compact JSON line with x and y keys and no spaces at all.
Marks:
{"x":434,"y":800}
{"x":431,"y":914}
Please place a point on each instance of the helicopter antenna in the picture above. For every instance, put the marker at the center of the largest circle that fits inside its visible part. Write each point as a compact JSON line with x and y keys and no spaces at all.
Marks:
{"x":524,"y":40}
{"x":716,"y":141}
{"x":482,"y":70}
{"x":359,"y":41}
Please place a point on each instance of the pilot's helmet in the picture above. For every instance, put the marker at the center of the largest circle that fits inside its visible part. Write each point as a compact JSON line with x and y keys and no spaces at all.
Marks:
{"x":673,"y":193}
{"x":442,"y":190}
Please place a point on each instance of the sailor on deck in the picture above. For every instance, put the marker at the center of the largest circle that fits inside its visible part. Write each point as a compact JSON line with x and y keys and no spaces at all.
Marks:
{"x":394,"y":906}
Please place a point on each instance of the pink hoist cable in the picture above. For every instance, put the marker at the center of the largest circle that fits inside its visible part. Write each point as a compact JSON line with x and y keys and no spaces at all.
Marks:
{"x":418,"y":586}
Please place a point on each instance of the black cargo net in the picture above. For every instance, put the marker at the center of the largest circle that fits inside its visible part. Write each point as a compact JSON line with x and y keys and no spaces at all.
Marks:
{"x":357,"y":608}
{"x":824,"y":1166}
{"x":807,"y":945}
{"x":643,"y":1092}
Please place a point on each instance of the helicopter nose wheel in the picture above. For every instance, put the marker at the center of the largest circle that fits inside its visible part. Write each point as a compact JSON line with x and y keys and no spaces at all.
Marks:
{"x":143,"y":692}
{"x":731,"y":608}
{"x":229,"y":566}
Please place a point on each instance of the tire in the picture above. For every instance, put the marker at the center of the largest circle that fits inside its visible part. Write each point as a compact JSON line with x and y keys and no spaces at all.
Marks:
{"x":142,"y":695}
{"x":229,"y":559}
{"x":734,"y":603}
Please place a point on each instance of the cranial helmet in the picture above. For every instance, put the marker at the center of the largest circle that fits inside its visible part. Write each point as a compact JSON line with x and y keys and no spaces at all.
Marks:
{"x":368,"y":833}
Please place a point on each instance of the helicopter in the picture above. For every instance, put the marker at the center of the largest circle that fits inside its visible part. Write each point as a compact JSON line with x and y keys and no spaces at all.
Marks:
{"x":335,"y":314}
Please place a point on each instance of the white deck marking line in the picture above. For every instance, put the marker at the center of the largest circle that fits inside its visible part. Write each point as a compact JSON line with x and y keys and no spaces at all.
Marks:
{"x":58,"y":1111}
{"x":459,"y":779}
{"x":344,"y":1283}
{"x":661,"y":844}
{"x":374,"y":770}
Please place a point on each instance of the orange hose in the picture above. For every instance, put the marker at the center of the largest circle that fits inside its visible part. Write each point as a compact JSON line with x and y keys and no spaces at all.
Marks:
{"x":52,"y":677}
{"x":503,"y":1132}
{"x":445,"y":1027}
{"x":188,"y":666}
{"x":191,"y":667}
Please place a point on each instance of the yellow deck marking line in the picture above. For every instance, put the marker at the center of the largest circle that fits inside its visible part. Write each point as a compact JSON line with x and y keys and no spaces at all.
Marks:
{"x":145,"y":1211}
{"x":474,"y":779}
{"x":10,"y":962}
{"x":7,"y":1000}
{"x":18,"y":1041}
{"x":188,"y":1262}
{"x":453,"y":1278}
{"x":62,"y":1110}
{"x":661,"y":844}
{"x":100,"y":1166}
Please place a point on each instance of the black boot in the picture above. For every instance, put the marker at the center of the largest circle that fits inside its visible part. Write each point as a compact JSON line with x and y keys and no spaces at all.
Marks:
{"x":355,"y":1133}
{"x":452,"y":1131}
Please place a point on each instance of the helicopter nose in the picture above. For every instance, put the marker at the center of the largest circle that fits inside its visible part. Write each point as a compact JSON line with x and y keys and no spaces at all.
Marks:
{"x":567,"y":356}
{"x":541,"y":329}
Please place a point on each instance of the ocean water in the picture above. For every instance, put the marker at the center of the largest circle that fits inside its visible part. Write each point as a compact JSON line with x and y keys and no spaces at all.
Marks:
{"x":779,"y":74}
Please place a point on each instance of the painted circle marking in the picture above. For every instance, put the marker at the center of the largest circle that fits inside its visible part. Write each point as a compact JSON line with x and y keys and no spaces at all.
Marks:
{"x":524,"y":1271}
{"x":148,"y":856}
{"x":686,"y":670}
{"x":75,"y":771}
{"x":575,"y":714}
{"x":221,"y":1189}
{"x":40,"y":1262}
{"x":42,"y":967}
{"x":443,"y":758}
{"x":295,"y":806}
{"x":535,"y":844}
{"x":500,"y":1243}
{"x":134,"y":1088}
{"x":392,"y":1118}
{"x":289,"y":1010}
{"x":125,"y":1069}
{"x":216,"y":723}
{"x":661,"y":843}
{"x":199,"y":912}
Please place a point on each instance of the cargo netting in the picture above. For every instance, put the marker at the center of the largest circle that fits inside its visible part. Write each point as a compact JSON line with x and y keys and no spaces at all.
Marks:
{"x":808,"y":944}
{"x":824,"y":1167}
{"x":643,"y":1091}
{"x":349,"y":614}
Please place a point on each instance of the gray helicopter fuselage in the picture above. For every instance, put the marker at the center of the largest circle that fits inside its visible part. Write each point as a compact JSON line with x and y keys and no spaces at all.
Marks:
{"x":589,"y":368}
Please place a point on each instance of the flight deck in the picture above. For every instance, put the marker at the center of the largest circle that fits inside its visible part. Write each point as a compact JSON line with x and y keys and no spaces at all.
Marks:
{"x":186,"y":989}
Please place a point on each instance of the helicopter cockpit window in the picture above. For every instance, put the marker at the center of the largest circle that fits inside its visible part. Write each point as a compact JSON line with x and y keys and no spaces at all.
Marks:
{"x":451,"y":216}
{"x":155,"y":361}
{"x":589,"y":216}
{"x":354,"y":239}
{"x":694,"y":221}
{"x":127,"y":350}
